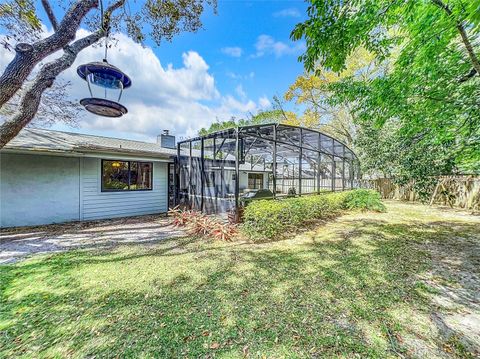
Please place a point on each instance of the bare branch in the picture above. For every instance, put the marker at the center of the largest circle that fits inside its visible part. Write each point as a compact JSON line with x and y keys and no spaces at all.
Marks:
{"x":50,"y":14}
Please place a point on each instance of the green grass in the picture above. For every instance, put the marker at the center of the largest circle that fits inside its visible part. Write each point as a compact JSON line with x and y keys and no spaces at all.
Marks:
{"x":352,"y":287}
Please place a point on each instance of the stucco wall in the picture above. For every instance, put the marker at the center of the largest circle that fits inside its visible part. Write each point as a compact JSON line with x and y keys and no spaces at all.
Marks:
{"x":38,"y":189}
{"x":97,"y":204}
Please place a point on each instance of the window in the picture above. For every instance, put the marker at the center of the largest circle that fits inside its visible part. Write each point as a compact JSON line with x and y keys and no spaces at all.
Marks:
{"x":255,"y":180}
{"x":126,"y":176}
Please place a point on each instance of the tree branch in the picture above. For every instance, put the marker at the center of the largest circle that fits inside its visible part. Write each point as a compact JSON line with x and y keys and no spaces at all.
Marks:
{"x":31,"y":98}
{"x":113,"y":7}
{"x":28,"y":56}
{"x":463,"y":33}
{"x":50,"y":14}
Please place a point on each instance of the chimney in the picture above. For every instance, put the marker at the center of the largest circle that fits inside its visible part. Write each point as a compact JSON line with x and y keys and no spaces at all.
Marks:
{"x":166,"y":140}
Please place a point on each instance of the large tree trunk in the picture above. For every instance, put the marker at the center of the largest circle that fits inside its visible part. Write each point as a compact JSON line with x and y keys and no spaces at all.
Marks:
{"x":45,"y":78}
{"x":28,"y":56}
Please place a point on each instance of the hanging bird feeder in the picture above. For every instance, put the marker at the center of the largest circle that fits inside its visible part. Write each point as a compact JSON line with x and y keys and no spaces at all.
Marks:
{"x":104,"y":80}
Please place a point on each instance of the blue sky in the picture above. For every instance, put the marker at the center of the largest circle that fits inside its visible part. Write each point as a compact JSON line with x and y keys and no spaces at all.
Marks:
{"x":232,"y":67}
{"x":239,"y":24}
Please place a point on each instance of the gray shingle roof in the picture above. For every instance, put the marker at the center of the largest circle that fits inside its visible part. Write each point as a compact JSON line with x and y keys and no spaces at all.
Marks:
{"x":36,"y":139}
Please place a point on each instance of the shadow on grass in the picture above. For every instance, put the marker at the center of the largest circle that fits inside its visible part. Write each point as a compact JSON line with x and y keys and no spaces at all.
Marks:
{"x":323,"y":297}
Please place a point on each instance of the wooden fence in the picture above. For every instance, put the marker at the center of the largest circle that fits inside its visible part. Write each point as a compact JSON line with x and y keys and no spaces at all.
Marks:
{"x":454,"y":191}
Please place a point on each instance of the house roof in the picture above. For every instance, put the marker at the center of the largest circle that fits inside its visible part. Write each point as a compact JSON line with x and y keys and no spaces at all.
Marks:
{"x":36,"y":139}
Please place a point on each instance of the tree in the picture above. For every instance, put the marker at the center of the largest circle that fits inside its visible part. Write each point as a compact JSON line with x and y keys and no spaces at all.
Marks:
{"x":312,"y":91}
{"x":276,"y":115}
{"x":55,"y":105}
{"x":426,"y":107}
{"x":158,"y":20}
{"x":336,"y":27}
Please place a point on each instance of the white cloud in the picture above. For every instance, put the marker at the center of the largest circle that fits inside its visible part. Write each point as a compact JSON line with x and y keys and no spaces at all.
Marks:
{"x":230,"y":103}
{"x":240,"y":92}
{"x":264,"y":102}
{"x":232,"y":51}
{"x":182,"y":98}
{"x":236,"y":76}
{"x":266,"y":44}
{"x":290,"y":12}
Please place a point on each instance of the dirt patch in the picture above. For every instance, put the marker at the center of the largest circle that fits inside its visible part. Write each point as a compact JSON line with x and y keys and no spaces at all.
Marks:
{"x":455,"y":278}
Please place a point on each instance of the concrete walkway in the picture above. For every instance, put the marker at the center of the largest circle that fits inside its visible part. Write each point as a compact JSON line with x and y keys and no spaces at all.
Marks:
{"x":17,"y":244}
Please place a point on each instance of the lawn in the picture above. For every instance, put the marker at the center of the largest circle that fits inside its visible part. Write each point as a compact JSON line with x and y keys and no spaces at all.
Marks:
{"x":366,"y":285}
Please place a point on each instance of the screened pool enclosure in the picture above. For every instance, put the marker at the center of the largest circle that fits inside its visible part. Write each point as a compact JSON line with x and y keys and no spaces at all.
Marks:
{"x":216,"y":172}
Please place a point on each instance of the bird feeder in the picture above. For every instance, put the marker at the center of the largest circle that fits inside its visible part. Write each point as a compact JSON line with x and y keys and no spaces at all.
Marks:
{"x":105,"y":82}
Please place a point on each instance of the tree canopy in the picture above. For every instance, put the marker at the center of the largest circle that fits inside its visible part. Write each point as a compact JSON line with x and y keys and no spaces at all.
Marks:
{"x":277,"y":115}
{"x":421,"y":117}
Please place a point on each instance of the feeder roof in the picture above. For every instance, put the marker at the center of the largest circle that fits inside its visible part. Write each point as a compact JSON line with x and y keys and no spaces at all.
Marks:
{"x":104,"y":70}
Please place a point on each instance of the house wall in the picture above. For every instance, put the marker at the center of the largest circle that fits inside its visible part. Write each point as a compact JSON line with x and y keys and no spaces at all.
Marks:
{"x":97,"y":204}
{"x":243,"y":184}
{"x":37,"y":189}
{"x":42,"y":189}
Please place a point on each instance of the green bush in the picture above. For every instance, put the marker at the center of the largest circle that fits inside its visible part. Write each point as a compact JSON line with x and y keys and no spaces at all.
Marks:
{"x":271,"y":219}
{"x":364,"y":199}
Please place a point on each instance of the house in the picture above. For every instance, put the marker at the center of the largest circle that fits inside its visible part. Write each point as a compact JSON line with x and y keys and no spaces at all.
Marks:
{"x":52,"y":177}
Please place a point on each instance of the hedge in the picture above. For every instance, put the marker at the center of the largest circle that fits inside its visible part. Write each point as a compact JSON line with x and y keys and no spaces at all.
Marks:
{"x":270,"y":219}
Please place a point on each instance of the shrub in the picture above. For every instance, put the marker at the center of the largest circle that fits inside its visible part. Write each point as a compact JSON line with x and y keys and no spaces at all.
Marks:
{"x":271,"y":219}
{"x":200,"y":224}
{"x":364,"y":199}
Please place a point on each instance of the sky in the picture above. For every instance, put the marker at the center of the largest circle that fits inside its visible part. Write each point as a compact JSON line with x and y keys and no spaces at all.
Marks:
{"x":241,"y":58}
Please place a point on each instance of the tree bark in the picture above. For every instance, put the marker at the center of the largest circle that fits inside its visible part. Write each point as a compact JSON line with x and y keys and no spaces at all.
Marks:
{"x":463,"y":33}
{"x":45,"y":78}
{"x":28,"y":56}
{"x":30,"y":100}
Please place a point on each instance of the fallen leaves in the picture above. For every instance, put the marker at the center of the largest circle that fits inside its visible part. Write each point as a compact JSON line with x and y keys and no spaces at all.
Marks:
{"x":214,"y":346}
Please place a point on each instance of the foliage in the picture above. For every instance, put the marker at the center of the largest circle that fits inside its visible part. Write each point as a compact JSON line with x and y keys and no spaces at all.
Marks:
{"x":262,"y":117}
{"x":365,"y":200}
{"x":335,"y":29}
{"x":313,"y":93}
{"x":200,"y":224}
{"x":421,"y":117}
{"x":273,"y":219}
{"x":157,"y":20}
